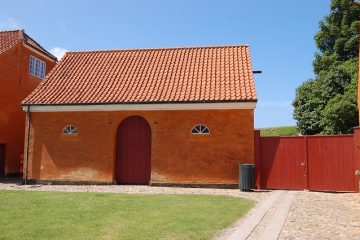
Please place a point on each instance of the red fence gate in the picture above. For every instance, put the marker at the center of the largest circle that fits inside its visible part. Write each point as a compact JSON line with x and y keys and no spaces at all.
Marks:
{"x":321,"y":163}
{"x":331,"y":163}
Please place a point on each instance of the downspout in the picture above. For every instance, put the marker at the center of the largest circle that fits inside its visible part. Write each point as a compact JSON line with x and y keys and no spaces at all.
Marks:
{"x":27,"y":145}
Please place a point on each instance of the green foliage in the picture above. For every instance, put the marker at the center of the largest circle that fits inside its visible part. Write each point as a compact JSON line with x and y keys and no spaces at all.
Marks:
{"x":308,"y":106}
{"x":61,"y":215}
{"x":279,"y":131}
{"x":341,"y":112}
{"x":327,"y":104}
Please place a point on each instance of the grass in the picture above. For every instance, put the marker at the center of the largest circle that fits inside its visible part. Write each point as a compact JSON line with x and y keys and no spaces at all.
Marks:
{"x":279,"y":131}
{"x":60,"y":215}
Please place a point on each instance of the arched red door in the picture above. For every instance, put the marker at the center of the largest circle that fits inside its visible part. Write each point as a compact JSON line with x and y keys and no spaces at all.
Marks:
{"x":133,"y":151}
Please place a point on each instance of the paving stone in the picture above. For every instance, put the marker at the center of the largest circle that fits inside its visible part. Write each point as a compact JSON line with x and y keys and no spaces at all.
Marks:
{"x":244,"y":228}
{"x":312,"y":215}
{"x":319,"y":215}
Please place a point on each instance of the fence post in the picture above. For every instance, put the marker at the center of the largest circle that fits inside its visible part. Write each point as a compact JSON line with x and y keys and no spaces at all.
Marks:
{"x":357,"y":156}
{"x":257,"y":153}
{"x":307,"y":162}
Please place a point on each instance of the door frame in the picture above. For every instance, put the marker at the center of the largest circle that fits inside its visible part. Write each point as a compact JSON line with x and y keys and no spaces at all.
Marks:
{"x":2,"y":156}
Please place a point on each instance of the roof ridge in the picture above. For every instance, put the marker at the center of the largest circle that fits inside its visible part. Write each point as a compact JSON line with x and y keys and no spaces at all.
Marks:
{"x":13,"y":37}
{"x":13,"y":30}
{"x":159,"y":48}
{"x":22,"y":35}
{"x":38,"y":45}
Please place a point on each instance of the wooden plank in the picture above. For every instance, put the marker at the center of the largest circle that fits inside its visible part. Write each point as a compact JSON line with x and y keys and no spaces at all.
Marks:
{"x":331,"y":161}
{"x":281,"y":159}
{"x":2,"y":160}
{"x":133,"y":155}
{"x":321,"y":163}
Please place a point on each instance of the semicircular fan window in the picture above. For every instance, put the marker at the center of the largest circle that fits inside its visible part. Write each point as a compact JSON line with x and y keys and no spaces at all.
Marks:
{"x":70,"y":130}
{"x":200,"y":129}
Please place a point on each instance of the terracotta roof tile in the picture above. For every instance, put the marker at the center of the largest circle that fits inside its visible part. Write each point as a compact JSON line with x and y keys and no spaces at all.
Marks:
{"x":8,"y":39}
{"x":189,"y":74}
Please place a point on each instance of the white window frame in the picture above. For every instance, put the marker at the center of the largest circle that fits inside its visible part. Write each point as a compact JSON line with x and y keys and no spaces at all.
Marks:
{"x":202,"y":128}
{"x":70,"y":130}
{"x":37,"y":67}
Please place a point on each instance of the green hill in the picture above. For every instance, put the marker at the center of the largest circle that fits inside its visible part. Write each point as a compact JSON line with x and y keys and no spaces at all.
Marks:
{"x":279,"y":131}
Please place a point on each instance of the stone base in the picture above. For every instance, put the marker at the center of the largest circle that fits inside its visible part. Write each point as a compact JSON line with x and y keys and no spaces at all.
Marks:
{"x":197,"y":185}
{"x":184,"y":185}
{"x":65,"y":182}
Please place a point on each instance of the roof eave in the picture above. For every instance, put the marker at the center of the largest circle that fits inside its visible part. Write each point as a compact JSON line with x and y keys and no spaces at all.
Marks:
{"x":46,"y":55}
{"x":148,"y":106}
{"x":136,"y":103}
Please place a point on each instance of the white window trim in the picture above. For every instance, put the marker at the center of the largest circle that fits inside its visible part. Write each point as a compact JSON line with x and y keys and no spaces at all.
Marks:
{"x":140,"y":107}
{"x":37,"y":68}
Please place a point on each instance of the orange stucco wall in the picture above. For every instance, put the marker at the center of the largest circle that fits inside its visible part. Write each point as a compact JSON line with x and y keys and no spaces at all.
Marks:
{"x":15,"y":85}
{"x":177,"y":156}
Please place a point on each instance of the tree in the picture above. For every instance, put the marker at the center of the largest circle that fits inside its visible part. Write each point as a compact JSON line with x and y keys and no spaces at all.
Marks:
{"x":327,"y":103}
{"x":308,"y":106}
{"x":340,"y":113}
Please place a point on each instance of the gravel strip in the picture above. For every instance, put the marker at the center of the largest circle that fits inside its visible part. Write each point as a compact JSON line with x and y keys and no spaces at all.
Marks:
{"x":257,"y":196}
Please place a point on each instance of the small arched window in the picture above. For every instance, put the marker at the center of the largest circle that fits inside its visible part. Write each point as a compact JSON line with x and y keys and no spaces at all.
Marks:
{"x":200,"y":129}
{"x":70,"y":130}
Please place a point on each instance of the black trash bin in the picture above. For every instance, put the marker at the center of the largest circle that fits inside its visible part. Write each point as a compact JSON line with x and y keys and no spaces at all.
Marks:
{"x":246,"y":177}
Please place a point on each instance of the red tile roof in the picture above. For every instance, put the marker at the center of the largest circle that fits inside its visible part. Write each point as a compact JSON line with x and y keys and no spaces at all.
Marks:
{"x":8,"y":39}
{"x":189,"y":74}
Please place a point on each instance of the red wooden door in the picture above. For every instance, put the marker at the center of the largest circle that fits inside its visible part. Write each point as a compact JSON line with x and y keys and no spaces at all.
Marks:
{"x":283,"y":163}
{"x":2,"y":160}
{"x":331,"y":163}
{"x":133,"y":151}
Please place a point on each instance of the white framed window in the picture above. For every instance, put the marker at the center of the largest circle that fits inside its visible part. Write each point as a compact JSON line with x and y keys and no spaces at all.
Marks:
{"x":70,"y":130}
{"x":200,"y":129}
{"x":37,"y":67}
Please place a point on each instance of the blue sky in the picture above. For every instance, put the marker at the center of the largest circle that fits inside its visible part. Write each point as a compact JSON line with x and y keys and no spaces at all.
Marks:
{"x":280,"y":34}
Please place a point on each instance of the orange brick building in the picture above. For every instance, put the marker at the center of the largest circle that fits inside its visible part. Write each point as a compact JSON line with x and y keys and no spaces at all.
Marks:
{"x":17,"y":80}
{"x":143,"y":116}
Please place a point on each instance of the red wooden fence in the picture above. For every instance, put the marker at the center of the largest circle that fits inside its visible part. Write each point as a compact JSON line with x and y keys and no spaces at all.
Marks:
{"x":321,"y":163}
{"x":331,"y":163}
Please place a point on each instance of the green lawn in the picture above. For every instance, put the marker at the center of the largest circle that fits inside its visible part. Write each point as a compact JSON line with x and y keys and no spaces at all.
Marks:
{"x":59,"y":215}
{"x":279,"y":131}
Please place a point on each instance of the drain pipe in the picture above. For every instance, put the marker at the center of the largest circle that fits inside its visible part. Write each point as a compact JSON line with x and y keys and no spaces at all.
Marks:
{"x":27,"y":144}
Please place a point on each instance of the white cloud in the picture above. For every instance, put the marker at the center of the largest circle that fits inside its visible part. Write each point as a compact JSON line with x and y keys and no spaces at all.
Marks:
{"x":58,"y":52}
{"x":7,"y":22}
{"x":274,"y":104}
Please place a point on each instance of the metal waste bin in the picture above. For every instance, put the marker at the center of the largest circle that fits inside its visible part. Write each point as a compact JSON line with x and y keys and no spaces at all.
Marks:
{"x":246,"y":177}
